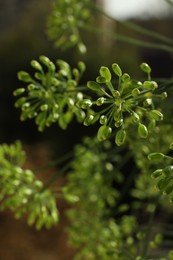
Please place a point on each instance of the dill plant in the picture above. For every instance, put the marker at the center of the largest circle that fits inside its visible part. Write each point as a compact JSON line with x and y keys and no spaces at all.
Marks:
{"x":131,"y":124}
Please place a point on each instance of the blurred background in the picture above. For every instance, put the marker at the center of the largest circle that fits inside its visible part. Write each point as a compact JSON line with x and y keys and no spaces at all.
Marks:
{"x":23,"y":37}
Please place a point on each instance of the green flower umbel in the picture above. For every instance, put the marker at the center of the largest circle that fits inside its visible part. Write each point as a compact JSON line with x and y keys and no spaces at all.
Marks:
{"x":66,"y":21}
{"x":122,"y":104}
{"x":22,"y":192}
{"x":50,"y":95}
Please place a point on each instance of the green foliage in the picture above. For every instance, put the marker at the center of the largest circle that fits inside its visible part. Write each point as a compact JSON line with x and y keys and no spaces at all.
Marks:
{"x":50,"y":95}
{"x":21,"y":192}
{"x":115,"y":190}
{"x":65,"y":22}
{"x":122,"y":104}
{"x":90,"y":186}
{"x":164,"y":180}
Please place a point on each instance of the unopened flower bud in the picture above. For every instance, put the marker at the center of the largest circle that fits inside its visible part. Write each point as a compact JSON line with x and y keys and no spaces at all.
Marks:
{"x":156,"y":115}
{"x":100,"y":101}
{"x":105,"y":72}
{"x":135,"y":92}
{"x":36,"y":65}
{"x":103,"y":120}
{"x":156,"y":173}
{"x":117,"y":70}
{"x":88,"y":120}
{"x":120,"y":137}
{"x":156,"y":156}
{"x":145,"y":67}
{"x":18,"y":91}
{"x":142,"y":131}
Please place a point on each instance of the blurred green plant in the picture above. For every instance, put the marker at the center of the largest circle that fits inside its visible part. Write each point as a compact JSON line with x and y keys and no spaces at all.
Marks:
{"x":22,"y":192}
{"x":65,"y":22}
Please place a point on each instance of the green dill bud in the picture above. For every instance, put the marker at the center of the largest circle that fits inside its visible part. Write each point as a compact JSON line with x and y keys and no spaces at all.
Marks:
{"x":25,"y":114}
{"x":20,"y":102}
{"x":135,"y":117}
{"x":55,"y":116}
{"x":168,"y":189}
{"x":101,"y":79}
{"x":31,"y":87}
{"x":125,"y":77}
{"x":38,"y":184}
{"x":81,"y":66}
{"x":119,"y":122}
{"x":138,"y":258}
{"x":145,"y":67}
{"x":24,"y":76}
{"x":139,"y":84}
{"x":158,"y":238}
{"x":70,"y":102}
{"x":76,"y":73}
{"x":168,"y":170}
{"x":80,"y":115}
{"x":117,"y":70}
{"x":85,"y":103}
{"x":25,"y":106}
{"x":120,"y":137}
{"x":104,"y":132}
{"x":135,"y":92}
{"x":44,"y":107}
{"x":79,"y":96}
{"x":64,"y":73}
{"x":63,"y":64}
{"x":116,"y":93}
{"x":36,"y":65}
{"x":32,"y":114}
{"x":150,"y":85}
{"x":51,"y":66}
{"x":103,"y":120}
{"x":160,"y":183}
{"x":38,"y":76}
{"x":152,"y":125}
{"x":40,"y":119}
{"x":142,"y":131}
{"x":88,"y":120}
{"x":117,"y":115}
{"x":157,"y":173}
{"x":147,"y":102}
{"x":163,"y":95}
{"x":100,"y":101}
{"x":82,"y":48}
{"x":55,"y":82}
{"x":156,"y":156}
{"x":18,"y":91}
{"x":45,"y":60}
{"x":70,"y":198}
{"x":105,"y":73}
{"x":93,"y":85}
{"x":156,"y":115}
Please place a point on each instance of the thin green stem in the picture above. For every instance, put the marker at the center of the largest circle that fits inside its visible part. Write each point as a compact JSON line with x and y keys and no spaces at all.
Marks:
{"x":110,"y":87}
{"x":53,"y":163}
{"x":169,"y":2}
{"x":168,"y":157}
{"x":130,"y":40}
{"x":55,"y":177}
{"x":138,"y":28}
{"x":145,"y":250}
